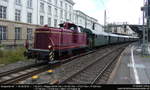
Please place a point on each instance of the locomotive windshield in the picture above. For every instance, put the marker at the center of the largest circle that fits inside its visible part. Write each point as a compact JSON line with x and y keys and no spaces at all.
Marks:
{"x":72,"y":27}
{"x":61,"y":25}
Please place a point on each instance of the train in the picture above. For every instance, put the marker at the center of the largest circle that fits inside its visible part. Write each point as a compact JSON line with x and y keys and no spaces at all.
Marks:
{"x":51,"y":43}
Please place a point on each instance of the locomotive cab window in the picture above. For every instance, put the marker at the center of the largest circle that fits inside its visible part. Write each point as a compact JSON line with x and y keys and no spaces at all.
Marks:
{"x":72,"y":27}
{"x":61,"y":25}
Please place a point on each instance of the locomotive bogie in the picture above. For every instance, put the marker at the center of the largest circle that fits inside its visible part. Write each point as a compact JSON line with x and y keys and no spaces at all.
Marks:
{"x":38,"y":54}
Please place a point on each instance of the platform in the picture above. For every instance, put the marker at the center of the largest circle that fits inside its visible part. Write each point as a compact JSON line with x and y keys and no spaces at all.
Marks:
{"x":132,"y":67}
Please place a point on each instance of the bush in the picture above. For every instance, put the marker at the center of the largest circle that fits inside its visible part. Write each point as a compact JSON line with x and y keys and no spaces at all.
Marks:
{"x":10,"y":56}
{"x":1,"y":45}
{"x":1,"y":53}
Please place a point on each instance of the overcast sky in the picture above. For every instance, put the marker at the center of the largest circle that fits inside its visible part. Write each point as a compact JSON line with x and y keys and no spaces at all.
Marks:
{"x":117,"y":10}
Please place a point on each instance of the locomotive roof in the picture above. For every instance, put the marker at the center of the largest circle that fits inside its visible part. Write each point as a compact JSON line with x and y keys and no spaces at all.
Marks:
{"x":98,"y":32}
{"x":108,"y":34}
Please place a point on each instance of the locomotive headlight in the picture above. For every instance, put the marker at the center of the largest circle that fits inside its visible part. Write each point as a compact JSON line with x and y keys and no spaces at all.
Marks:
{"x":49,"y":46}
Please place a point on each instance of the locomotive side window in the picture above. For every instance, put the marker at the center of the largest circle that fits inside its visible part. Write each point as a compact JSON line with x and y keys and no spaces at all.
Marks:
{"x":61,"y":25}
{"x":72,"y":27}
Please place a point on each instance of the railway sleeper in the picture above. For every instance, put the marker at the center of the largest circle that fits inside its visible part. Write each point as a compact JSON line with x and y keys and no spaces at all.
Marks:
{"x":85,"y":78}
{"x":77,"y":81}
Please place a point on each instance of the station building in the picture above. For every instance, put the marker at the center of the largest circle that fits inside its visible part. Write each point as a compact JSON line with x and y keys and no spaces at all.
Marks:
{"x":120,"y":28}
{"x":86,"y":21}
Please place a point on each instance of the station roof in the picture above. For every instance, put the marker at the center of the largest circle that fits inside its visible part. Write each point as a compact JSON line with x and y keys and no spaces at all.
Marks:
{"x":137,"y":28}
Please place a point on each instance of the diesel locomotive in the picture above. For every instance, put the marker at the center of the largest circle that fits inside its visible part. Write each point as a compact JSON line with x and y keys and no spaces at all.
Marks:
{"x":51,"y":43}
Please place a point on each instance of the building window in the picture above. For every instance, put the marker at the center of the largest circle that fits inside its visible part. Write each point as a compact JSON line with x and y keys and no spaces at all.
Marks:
{"x":5,"y":0}
{"x":93,"y":26}
{"x":18,"y":15}
{"x":66,"y":6}
{"x":29,"y":17}
{"x":29,"y":33}
{"x":55,"y":22}
{"x":29,"y":3}
{"x":49,"y":1}
{"x":66,"y":15}
{"x":3,"y":12}
{"x":42,"y":7}
{"x":18,"y":2}
{"x":61,"y":21}
{"x":3,"y":33}
{"x":49,"y":10}
{"x":61,"y":13}
{"x":61,"y":4}
{"x":55,"y":2}
{"x":49,"y":22}
{"x":70,"y":16}
{"x":17,"y":33}
{"x":70,"y":8}
{"x":41,"y":20}
{"x":56,"y":12}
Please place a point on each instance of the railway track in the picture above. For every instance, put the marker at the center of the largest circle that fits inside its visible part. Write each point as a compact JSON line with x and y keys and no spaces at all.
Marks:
{"x":95,"y":72}
{"x":20,"y":69}
{"x":19,"y":74}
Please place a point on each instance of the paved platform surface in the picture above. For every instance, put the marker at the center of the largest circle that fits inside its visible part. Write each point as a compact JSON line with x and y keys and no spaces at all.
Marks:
{"x":132,"y":67}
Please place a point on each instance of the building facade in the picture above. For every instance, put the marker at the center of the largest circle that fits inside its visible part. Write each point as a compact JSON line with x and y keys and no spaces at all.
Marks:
{"x":86,"y":21}
{"x":20,"y":18}
{"x":122,"y":28}
{"x":38,"y":12}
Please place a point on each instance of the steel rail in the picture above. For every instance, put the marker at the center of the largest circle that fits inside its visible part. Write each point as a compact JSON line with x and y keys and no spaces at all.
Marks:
{"x":39,"y":70}
{"x":24,"y":76}
{"x":16,"y":79}
{"x":20,"y":69}
{"x":105,"y":69}
{"x":99,"y":58}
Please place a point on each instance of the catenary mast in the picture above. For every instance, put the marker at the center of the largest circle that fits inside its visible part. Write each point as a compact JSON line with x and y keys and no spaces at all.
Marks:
{"x":146,"y":27}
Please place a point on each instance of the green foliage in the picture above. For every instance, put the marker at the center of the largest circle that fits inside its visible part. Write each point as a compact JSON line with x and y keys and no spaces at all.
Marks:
{"x":10,"y":56}
{"x":1,"y":53}
{"x":1,"y":46}
{"x":146,"y":56}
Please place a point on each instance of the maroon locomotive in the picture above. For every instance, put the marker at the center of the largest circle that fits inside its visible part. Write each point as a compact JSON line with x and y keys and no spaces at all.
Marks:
{"x":51,"y":43}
